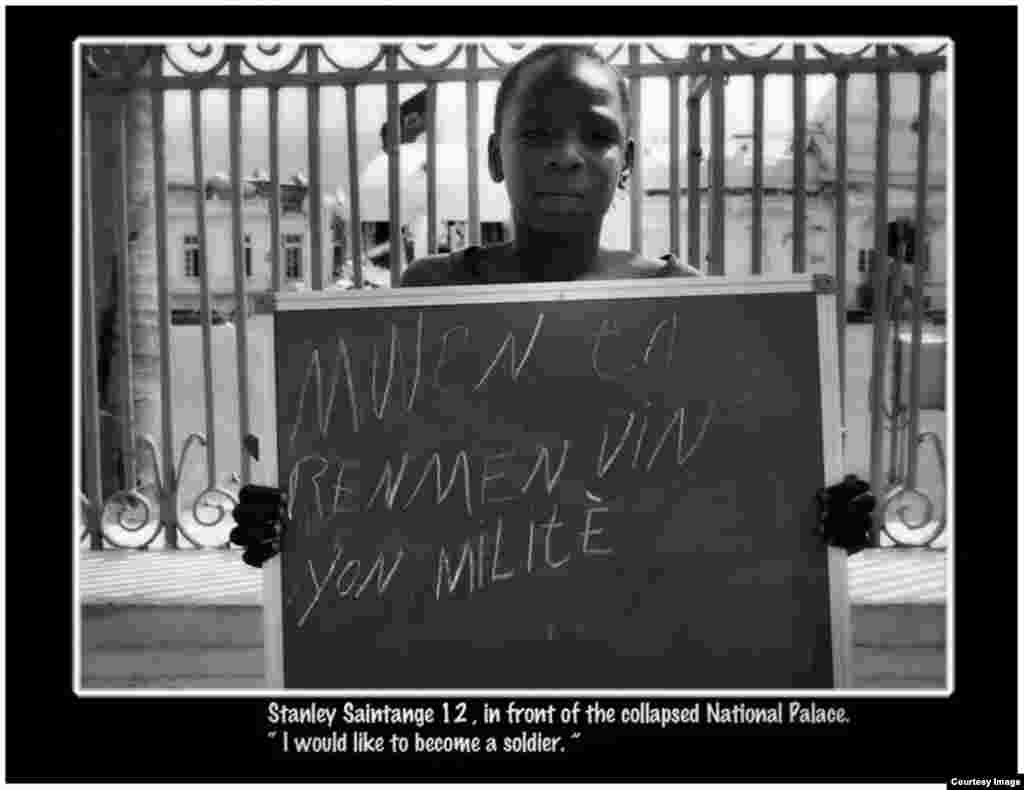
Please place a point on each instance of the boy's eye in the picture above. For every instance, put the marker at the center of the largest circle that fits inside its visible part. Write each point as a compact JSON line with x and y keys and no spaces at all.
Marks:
{"x":605,"y":138}
{"x":534,"y":133}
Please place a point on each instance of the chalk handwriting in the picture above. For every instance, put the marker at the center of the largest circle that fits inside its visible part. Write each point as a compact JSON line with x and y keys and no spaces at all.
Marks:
{"x":419,"y":362}
{"x":484,"y":559}
{"x":386,"y":483}
{"x":486,"y":478}
{"x":678,"y":419}
{"x":350,"y":582}
{"x":343,"y":495}
{"x":378,"y":409}
{"x":378,"y":569}
{"x":602,"y":465}
{"x":461,"y":460}
{"x":293,"y":483}
{"x":318,"y":587}
{"x":678,"y":423}
{"x":640,"y":441}
{"x":495,"y":576}
{"x":589,"y":531}
{"x":550,"y":526}
{"x":671,"y":340}
{"x":607,"y":330}
{"x":510,"y":346}
{"x":542,"y":455}
{"x":466,"y":558}
{"x":441,"y":358}
{"x":312,"y":372}
{"x":324,"y":411}
{"x":353,"y":566}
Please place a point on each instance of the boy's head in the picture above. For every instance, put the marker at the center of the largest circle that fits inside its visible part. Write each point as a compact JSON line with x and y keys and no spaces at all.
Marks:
{"x":562,"y":137}
{"x":564,"y":53}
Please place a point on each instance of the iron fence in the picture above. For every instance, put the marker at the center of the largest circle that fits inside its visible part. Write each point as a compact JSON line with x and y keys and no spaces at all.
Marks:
{"x":110,"y":75}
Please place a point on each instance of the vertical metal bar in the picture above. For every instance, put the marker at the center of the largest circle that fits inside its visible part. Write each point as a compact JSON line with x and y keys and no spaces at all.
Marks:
{"x":920,"y":219}
{"x":636,"y":178}
{"x":757,"y":207}
{"x":880,"y":278}
{"x":315,"y":193}
{"x":238,"y":256}
{"x":799,"y":162}
{"x":204,"y":285}
{"x":674,"y":222}
{"x":842,"y":84}
{"x":92,"y":457}
{"x":897,"y":435}
{"x":125,"y":298}
{"x":431,"y":168}
{"x":353,"y":185}
{"x":274,"y":207}
{"x":693,"y":198}
{"x":473,"y":141}
{"x":881,"y":292}
{"x":168,"y":503}
{"x":717,"y":241}
{"x":394,"y":168}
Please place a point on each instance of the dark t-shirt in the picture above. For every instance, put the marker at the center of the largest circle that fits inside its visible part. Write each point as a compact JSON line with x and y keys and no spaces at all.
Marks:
{"x":469,"y":267}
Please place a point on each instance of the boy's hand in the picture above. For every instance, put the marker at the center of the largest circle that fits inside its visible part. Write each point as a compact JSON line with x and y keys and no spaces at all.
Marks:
{"x":261,"y":515}
{"x":844,"y":514}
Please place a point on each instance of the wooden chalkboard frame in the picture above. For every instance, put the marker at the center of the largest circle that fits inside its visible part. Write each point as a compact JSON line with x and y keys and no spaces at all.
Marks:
{"x":822,"y":285}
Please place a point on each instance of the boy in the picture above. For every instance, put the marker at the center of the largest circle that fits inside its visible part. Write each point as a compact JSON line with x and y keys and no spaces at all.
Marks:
{"x":562,"y":144}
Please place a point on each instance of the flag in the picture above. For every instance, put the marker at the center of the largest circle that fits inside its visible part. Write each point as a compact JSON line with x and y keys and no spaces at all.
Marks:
{"x":412,"y":120}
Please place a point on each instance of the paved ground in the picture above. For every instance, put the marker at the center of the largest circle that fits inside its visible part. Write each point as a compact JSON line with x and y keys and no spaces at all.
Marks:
{"x":211,"y":577}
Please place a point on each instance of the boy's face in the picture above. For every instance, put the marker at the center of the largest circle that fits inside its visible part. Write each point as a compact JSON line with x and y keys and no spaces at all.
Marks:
{"x":563,"y":145}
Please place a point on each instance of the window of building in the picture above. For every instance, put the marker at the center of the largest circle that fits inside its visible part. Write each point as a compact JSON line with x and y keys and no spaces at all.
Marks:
{"x":292,"y":255}
{"x":492,"y":233}
{"x":247,"y":254}
{"x":191,"y":255}
{"x":338,"y":244}
{"x":453,"y":237}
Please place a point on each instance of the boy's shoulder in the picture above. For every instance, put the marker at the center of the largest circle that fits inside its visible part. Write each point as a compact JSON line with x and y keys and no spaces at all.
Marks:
{"x":492,"y":265}
{"x":628,"y":264}
{"x":431,"y":270}
{"x":473,"y":265}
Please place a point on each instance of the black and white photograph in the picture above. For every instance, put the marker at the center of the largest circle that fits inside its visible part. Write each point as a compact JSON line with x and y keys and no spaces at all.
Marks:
{"x":700,"y":466}
{"x":456,"y":406}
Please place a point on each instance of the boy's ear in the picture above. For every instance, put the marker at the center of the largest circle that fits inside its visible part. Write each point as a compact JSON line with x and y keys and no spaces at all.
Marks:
{"x":627,"y":163}
{"x":494,"y":160}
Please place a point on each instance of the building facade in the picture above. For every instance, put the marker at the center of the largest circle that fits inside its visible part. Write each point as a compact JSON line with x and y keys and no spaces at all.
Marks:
{"x":185,"y":266}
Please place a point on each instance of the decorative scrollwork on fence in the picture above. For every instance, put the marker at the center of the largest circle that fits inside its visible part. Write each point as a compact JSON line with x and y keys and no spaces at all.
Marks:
{"x":196,"y":59}
{"x":738,"y":54}
{"x":516,"y":51}
{"x":906,"y":51}
{"x":130,"y":512}
{"x":126,"y":506}
{"x":659,"y":52}
{"x":273,"y":58}
{"x":446,"y":59}
{"x":206,"y":64}
{"x":900,"y":500}
{"x":116,"y":61}
{"x":336,"y":55}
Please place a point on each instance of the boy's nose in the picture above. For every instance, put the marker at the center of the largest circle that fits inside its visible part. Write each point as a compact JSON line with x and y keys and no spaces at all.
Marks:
{"x":565,"y":154}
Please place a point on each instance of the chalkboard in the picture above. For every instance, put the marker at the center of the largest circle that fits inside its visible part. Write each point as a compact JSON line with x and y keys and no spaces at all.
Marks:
{"x":557,"y":486}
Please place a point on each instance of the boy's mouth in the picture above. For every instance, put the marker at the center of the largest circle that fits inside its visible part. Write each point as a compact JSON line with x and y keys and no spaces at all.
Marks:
{"x":561,"y":203}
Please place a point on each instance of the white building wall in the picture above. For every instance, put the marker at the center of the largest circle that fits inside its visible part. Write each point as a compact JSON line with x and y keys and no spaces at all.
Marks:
{"x":181,"y":221}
